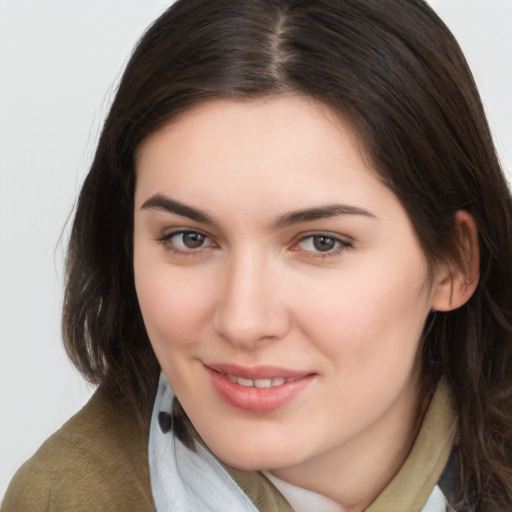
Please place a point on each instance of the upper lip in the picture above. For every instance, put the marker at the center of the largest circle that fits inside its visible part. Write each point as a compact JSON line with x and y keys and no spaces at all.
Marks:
{"x":257,"y":372}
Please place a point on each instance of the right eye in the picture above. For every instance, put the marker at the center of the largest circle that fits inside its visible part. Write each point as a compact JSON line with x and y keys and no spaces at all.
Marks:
{"x":186,"y":242}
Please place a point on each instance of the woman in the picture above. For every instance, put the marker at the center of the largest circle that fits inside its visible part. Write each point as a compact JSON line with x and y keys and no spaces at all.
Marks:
{"x":295,"y":235}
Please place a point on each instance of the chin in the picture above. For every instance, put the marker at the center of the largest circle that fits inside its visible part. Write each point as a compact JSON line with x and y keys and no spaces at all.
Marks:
{"x":255,"y":457}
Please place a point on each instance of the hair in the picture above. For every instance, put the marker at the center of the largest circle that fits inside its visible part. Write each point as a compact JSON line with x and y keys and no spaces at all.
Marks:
{"x":393,"y":69}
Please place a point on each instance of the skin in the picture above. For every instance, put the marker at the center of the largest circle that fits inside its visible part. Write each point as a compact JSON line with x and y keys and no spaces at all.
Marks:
{"x":255,"y":291}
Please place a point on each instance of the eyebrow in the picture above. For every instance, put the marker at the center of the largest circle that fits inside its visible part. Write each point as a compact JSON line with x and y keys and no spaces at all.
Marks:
{"x":323,"y":212}
{"x":160,"y":202}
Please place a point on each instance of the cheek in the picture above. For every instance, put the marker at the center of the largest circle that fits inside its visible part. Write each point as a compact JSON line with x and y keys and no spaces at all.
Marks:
{"x":366,"y":316}
{"x":175,"y":306}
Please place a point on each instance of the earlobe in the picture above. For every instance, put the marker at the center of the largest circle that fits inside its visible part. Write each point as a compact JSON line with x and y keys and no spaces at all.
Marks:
{"x":453,"y":287}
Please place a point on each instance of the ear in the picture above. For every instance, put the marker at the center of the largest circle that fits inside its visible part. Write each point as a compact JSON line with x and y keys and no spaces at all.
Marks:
{"x":454,"y":286}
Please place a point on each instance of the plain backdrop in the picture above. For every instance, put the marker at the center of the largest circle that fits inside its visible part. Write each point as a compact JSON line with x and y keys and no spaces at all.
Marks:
{"x":59,"y":63}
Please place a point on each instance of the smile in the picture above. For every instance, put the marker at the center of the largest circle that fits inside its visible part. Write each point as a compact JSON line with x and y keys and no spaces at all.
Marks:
{"x":258,"y":390}
{"x":259,"y":383}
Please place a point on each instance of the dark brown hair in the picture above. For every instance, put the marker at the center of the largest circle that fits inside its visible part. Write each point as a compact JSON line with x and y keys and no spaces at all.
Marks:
{"x":395,"y":71}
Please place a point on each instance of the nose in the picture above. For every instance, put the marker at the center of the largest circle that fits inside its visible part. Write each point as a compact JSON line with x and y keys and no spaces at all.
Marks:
{"x":251,"y":306}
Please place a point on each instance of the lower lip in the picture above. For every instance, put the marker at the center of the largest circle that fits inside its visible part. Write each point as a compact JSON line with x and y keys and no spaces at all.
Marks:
{"x":254,"y":399}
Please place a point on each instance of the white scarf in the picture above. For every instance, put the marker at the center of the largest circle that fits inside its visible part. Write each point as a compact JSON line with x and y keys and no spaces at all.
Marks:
{"x":183,"y":480}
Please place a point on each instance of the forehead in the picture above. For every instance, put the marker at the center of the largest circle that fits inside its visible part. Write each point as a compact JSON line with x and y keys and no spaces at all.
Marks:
{"x":256,"y":140}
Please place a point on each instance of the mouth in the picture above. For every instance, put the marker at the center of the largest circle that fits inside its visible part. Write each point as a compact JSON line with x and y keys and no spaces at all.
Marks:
{"x":257,"y":389}
{"x":258,"y":383}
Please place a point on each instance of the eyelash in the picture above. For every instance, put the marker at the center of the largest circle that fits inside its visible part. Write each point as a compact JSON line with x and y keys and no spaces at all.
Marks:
{"x":340,"y":244}
{"x":166,"y":241}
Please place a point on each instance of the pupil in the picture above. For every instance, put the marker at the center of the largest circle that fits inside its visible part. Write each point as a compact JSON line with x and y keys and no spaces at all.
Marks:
{"x":193,"y":240}
{"x":323,"y":243}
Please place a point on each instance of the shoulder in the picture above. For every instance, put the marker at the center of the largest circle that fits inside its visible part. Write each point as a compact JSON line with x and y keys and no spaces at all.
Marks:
{"x":96,"y":461}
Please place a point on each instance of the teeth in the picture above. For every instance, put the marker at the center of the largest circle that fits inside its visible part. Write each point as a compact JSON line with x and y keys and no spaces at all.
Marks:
{"x":263,"y":383}
{"x":248,"y":383}
{"x":232,"y":378}
{"x":258,"y":383}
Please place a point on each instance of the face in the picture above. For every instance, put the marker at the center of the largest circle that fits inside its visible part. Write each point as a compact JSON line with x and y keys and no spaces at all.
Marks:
{"x":281,"y":283}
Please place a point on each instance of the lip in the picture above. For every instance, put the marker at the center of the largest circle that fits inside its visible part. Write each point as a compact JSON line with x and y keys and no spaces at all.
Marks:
{"x":253,"y":399}
{"x":258,"y":372}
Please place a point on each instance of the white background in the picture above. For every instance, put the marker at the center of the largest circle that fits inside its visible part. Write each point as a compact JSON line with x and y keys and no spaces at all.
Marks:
{"x":59,"y":63}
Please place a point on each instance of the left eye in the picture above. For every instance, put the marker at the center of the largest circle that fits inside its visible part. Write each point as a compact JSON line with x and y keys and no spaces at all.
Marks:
{"x":321,"y":243}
